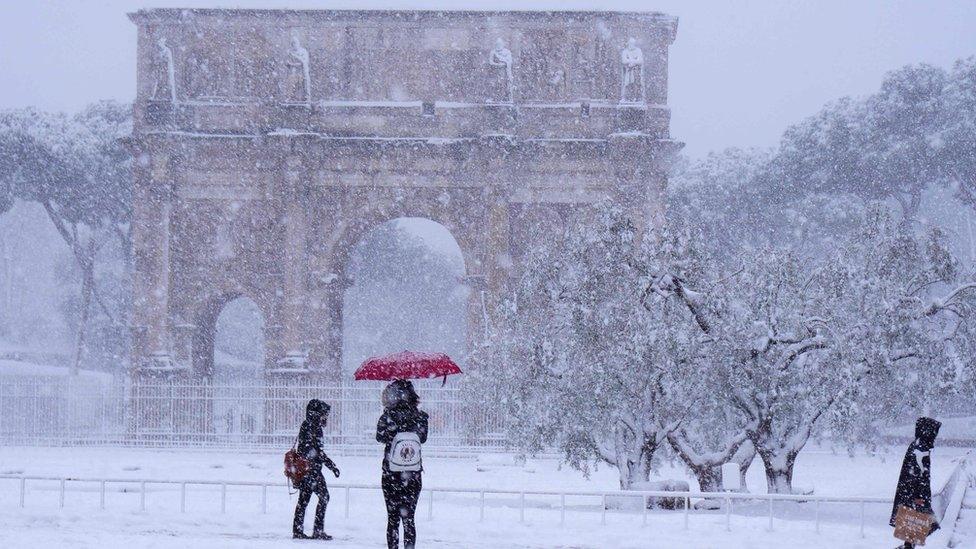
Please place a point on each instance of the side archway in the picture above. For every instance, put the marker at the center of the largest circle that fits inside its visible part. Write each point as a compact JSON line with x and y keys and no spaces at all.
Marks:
{"x":229,"y":344}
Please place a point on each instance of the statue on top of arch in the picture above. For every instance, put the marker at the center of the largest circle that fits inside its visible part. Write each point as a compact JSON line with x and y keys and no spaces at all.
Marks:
{"x":164,"y":74}
{"x":503,"y":88}
{"x":296,"y":85}
{"x":632,"y":79}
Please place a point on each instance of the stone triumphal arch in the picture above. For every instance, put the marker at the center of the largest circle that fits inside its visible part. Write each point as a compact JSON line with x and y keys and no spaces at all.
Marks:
{"x":267,"y":143}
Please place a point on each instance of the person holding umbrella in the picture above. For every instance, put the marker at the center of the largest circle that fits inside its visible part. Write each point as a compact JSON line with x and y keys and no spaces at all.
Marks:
{"x":402,"y":429}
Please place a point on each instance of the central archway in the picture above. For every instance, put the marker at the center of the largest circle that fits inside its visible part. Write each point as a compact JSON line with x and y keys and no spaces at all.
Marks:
{"x":407,"y":291}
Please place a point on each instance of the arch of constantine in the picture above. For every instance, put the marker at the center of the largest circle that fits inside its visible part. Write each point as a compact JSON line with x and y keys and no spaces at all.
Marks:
{"x":267,"y":143}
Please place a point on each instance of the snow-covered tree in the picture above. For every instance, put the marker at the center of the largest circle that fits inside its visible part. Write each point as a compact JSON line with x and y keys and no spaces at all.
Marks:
{"x":956,"y":138}
{"x":596,"y":345}
{"x":77,"y":169}
{"x":876,"y":148}
{"x":806,"y":338}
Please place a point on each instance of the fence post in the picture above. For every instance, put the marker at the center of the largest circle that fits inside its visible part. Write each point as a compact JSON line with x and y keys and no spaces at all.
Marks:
{"x":182,"y":497}
{"x":61,"y":495}
{"x":562,"y":509}
{"x":816,"y":513}
{"x":223,"y":497}
{"x":862,"y":518}
{"x":770,"y":512}
{"x":430,"y":505}
{"x":644,"y":502}
{"x":142,"y":496}
{"x":481,"y":517}
{"x":348,"y":494}
{"x":101,"y":495}
{"x":687,"y":509}
{"x":728,"y":513}
{"x":23,"y":490}
{"x":603,"y":511}
{"x":522,"y":507}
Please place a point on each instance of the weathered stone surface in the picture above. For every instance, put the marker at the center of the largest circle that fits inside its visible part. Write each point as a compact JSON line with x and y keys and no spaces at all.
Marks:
{"x":258,"y":179}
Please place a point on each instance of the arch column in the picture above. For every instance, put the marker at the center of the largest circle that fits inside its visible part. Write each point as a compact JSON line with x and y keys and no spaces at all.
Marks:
{"x":640,"y":172}
{"x":477,"y":313}
{"x":501,"y":175}
{"x":152,"y":201}
{"x":293,"y":359}
{"x":332,"y":318}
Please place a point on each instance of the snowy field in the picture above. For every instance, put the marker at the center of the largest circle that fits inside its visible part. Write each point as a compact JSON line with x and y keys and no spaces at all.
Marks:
{"x":455,"y":520}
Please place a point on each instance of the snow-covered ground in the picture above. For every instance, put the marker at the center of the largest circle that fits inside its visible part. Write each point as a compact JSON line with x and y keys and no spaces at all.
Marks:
{"x":825,"y":471}
{"x":456,"y":519}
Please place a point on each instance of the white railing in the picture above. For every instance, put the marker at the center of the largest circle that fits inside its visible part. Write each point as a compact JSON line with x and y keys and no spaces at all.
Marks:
{"x":64,"y":410}
{"x":957,"y":480}
{"x":947,"y":500}
{"x":752,"y":505}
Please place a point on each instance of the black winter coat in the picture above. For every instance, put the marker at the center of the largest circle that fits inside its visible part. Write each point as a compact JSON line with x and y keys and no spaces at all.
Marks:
{"x":915,"y":481}
{"x":402,"y":418}
{"x":310,"y":443}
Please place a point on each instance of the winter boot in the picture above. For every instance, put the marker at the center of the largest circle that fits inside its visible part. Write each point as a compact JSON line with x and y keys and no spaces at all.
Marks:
{"x":321,"y":535}
{"x":299,"y":535}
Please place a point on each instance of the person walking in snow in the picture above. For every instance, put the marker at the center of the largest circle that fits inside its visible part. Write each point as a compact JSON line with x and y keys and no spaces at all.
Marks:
{"x":402,"y":429}
{"x":915,"y":483}
{"x":310,"y":447}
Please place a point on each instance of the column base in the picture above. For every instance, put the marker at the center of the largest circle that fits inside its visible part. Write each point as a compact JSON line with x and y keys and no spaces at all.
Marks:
{"x":294,"y":362}
{"x":160,"y":363}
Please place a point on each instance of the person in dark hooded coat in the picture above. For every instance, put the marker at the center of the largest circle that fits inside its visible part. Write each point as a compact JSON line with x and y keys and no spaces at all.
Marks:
{"x":401,"y":490}
{"x":915,"y":481}
{"x":310,"y":448}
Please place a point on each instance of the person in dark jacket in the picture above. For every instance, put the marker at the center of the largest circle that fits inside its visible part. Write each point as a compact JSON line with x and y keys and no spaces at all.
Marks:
{"x":401,"y":490}
{"x":310,"y":448}
{"x":914,"y":483}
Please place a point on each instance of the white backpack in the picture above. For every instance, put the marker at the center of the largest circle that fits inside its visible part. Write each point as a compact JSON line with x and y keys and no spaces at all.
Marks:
{"x":404,"y":453}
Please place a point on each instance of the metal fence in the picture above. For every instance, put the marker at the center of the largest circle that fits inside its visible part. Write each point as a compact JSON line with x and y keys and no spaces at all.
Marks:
{"x":71,"y":410}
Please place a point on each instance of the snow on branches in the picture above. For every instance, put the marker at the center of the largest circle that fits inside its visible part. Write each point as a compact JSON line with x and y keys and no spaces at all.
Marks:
{"x":616,"y":346}
{"x":597,"y":349}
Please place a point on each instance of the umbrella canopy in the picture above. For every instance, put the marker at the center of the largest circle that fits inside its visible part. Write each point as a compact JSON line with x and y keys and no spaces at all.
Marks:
{"x":407,"y":365}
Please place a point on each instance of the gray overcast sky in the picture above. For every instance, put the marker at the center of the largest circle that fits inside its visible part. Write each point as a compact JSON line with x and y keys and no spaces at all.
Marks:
{"x":740,"y":71}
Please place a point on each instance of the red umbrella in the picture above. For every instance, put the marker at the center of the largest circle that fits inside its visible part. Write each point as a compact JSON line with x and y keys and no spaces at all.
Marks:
{"x":407,"y":365}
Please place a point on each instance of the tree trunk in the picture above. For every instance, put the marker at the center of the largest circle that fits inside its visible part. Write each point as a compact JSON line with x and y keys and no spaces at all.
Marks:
{"x":87,"y":291}
{"x":745,"y":458}
{"x":632,"y":470}
{"x":779,"y":471}
{"x":709,"y":477}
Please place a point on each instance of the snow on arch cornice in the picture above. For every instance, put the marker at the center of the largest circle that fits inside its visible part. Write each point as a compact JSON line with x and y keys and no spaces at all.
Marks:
{"x":338,"y":11}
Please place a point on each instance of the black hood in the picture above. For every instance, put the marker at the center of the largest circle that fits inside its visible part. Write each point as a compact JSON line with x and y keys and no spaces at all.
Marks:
{"x":400,"y":393}
{"x":926,"y":429}
{"x":316,"y":409}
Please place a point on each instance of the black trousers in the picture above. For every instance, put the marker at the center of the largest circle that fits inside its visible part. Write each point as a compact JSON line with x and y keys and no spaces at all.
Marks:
{"x":313,"y":483}
{"x":401,"y":492}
